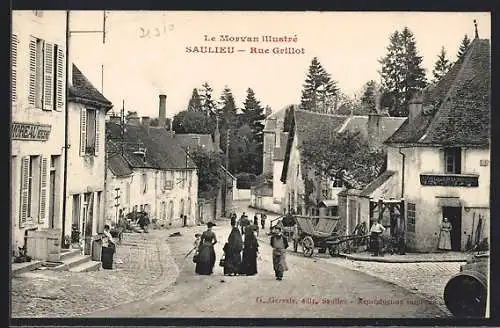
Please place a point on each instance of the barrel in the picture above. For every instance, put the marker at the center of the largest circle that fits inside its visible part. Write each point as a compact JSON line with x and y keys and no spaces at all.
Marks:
{"x":465,"y":294}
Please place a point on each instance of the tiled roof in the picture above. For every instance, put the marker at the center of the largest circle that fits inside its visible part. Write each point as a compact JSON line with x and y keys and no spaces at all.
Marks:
{"x":162,"y":150}
{"x":191,"y":140}
{"x":82,"y":91}
{"x":356,"y":123}
{"x":458,"y":107}
{"x":279,"y":153}
{"x":375,"y":184}
{"x":118,"y":165}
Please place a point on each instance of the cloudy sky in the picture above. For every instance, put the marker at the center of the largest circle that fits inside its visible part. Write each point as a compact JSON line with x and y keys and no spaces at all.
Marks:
{"x":145,"y":52}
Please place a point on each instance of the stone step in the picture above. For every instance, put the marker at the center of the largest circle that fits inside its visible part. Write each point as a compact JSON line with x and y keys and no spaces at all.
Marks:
{"x":87,"y":267}
{"x":72,"y":262}
{"x":18,"y":268}
{"x":69,"y":253}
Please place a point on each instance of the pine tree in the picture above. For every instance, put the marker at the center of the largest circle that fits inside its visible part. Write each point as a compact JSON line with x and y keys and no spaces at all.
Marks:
{"x":195,"y":102}
{"x":226,"y":114}
{"x":441,"y":67}
{"x":369,"y":97}
{"x":402,"y":74}
{"x":464,"y":44}
{"x":318,"y":90}
{"x":253,"y":115}
{"x":207,"y":103}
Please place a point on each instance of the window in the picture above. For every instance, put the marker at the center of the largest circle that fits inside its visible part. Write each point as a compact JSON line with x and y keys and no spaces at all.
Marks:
{"x":453,"y":160}
{"x":144,"y":183}
{"x":14,"y":42}
{"x":33,"y":189}
{"x":46,"y":79}
{"x":89,"y":132}
{"x":410,"y":214}
{"x":168,"y":182}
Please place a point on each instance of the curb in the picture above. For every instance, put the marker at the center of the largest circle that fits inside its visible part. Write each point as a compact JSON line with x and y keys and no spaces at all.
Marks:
{"x":389,"y":260}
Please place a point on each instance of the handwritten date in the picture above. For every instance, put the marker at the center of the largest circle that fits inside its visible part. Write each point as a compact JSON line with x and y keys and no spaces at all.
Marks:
{"x":148,"y":33}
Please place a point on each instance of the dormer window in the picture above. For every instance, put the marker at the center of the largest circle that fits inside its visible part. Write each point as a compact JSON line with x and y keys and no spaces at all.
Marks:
{"x":453,"y":160}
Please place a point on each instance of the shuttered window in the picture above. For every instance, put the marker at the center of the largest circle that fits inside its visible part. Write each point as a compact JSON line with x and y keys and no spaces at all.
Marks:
{"x":43,"y":192}
{"x":32,"y":66}
{"x":14,"y":42}
{"x":83,"y":131}
{"x":89,"y":132}
{"x":25,"y":190}
{"x":48,"y":72}
{"x":59,"y":83}
{"x":31,"y":187}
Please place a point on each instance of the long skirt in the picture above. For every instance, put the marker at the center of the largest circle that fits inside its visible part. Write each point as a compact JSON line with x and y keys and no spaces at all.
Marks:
{"x":233,"y":263}
{"x":445,"y":240}
{"x":249,"y":264}
{"x":279,"y":262}
{"x":206,"y":260}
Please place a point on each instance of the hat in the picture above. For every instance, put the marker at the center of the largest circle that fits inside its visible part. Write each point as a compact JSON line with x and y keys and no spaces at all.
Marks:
{"x":210,"y":224}
{"x":197,"y":234}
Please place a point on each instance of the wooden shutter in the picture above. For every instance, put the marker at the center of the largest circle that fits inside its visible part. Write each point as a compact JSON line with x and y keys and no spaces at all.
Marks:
{"x":48,"y":77}
{"x":83,"y":131}
{"x":25,"y":171}
{"x":97,"y":132}
{"x":32,"y":80}
{"x":13,"y":68}
{"x":42,"y":215}
{"x":60,"y":73}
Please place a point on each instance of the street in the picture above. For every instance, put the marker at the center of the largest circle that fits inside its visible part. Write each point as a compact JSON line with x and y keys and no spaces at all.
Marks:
{"x":312,"y":287}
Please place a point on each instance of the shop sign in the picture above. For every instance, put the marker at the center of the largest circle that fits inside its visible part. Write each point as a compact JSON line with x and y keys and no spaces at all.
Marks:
{"x":30,"y":131}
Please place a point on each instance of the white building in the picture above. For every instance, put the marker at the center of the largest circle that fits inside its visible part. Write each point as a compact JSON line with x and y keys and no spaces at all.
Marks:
{"x":86,"y":154}
{"x":37,"y":129}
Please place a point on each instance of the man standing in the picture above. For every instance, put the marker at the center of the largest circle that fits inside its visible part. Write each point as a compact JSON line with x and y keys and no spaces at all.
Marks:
{"x":375,"y":235}
{"x":244,"y":222}
{"x":279,"y":245}
{"x":263,"y":221}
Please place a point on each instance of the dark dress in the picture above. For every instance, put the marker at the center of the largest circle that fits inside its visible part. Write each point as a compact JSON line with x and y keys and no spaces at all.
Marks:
{"x":279,"y":245}
{"x":250,"y":249}
{"x":232,"y":252}
{"x":206,"y":253}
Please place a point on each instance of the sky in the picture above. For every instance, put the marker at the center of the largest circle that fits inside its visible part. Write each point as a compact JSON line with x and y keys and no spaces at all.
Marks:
{"x":145,"y":52}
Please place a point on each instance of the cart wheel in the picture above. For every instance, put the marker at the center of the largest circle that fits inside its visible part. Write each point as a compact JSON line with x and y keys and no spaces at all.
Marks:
{"x":308,"y":246}
{"x":334,"y":250}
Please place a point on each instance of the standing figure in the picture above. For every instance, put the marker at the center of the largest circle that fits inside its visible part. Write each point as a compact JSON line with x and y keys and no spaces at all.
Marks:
{"x":232,"y":250}
{"x":250,"y":252}
{"x":185,"y":220}
{"x":375,"y":236}
{"x":256,"y":224}
{"x":279,"y":245}
{"x":206,"y":252}
{"x":263,"y":221}
{"x":445,"y":235}
{"x":244,"y":222}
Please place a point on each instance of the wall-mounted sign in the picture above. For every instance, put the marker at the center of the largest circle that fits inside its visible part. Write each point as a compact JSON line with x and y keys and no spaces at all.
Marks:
{"x":449,"y":180}
{"x":30,"y":131}
{"x":484,"y":162}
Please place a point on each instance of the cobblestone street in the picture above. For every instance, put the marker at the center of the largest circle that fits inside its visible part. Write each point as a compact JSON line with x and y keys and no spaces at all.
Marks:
{"x":143,"y":265}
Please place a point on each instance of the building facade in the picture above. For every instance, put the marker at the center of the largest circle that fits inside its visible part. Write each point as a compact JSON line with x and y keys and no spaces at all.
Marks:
{"x":38,"y":73}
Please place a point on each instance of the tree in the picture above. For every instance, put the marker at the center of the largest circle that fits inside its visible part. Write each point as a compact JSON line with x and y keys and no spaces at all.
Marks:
{"x":318,"y":90}
{"x":226,"y":114}
{"x":207,"y":103}
{"x":195,"y":102}
{"x":333,"y":155}
{"x":347,"y":105}
{"x":193,"y":122}
{"x":210,"y":177}
{"x":369,"y":97}
{"x":464,"y":44}
{"x":402,"y":74}
{"x":253,"y":115}
{"x":441,"y":67}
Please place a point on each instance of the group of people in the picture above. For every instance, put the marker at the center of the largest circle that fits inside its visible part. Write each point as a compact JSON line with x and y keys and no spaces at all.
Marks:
{"x":241,"y":249}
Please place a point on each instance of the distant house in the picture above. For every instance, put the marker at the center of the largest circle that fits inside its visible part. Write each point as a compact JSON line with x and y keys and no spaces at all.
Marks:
{"x":305,"y":193}
{"x":439,"y":159}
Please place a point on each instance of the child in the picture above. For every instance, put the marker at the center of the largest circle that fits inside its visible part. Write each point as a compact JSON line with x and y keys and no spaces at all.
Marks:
{"x":196,"y":244}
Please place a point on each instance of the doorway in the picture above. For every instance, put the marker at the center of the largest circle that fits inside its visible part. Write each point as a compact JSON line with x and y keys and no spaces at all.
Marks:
{"x":454,"y":215}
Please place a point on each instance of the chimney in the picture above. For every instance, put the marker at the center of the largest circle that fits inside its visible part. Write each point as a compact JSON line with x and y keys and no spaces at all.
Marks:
{"x":115,"y":119}
{"x":414,"y":108}
{"x":162,"y":111}
{"x":145,"y":120}
{"x":134,"y":120}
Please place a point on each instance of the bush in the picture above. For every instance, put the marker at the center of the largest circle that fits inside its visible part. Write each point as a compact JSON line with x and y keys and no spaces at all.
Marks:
{"x":245,"y":180}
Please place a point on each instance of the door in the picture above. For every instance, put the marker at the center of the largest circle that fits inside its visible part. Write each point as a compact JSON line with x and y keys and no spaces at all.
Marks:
{"x":52,"y":199}
{"x":454,"y":215}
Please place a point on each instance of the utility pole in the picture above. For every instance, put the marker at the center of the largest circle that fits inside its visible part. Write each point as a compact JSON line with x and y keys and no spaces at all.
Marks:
{"x":225,"y":173}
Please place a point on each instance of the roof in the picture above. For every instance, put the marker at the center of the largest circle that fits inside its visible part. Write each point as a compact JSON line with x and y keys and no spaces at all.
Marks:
{"x":457,"y":109}
{"x":162,"y":150}
{"x":356,"y":123}
{"x":119,"y":165}
{"x":375,"y":184}
{"x":279,"y":152}
{"x":193,"y":140}
{"x":82,"y":91}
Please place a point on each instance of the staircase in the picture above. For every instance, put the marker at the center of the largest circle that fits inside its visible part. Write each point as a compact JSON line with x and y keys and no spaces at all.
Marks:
{"x":72,"y":260}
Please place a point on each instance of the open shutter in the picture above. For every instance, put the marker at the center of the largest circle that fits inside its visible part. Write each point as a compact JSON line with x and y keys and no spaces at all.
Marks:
{"x":13,"y":68}
{"x":32,"y":81}
{"x":48,"y":77}
{"x":43,"y":191}
{"x":60,"y":79}
{"x":97,"y":133}
{"x":83,"y":131}
{"x":25,"y":168}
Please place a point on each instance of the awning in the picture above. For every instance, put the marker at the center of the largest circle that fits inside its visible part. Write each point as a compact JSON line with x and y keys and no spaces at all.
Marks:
{"x":329,"y":202}
{"x":449,"y":202}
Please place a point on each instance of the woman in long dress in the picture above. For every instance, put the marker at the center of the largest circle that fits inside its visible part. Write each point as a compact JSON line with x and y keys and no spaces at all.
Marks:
{"x":250,"y":251}
{"x":279,"y":244}
{"x":445,"y":235}
{"x":206,"y":252}
{"x":232,"y":250}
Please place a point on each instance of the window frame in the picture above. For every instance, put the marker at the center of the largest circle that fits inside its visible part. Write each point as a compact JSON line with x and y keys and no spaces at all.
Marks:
{"x":411,"y":216}
{"x":453,"y":160}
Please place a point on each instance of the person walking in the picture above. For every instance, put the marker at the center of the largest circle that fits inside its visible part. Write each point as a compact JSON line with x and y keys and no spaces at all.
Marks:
{"x":244,"y":222}
{"x":263,"y":221}
{"x":256,"y":224}
{"x":206,"y":252}
{"x":250,"y":252}
{"x":279,"y":245}
{"x":445,"y":235}
{"x":375,"y":236}
{"x":232,"y":250}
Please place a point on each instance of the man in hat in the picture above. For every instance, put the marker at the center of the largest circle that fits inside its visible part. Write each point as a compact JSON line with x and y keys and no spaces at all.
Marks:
{"x":279,"y":244}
